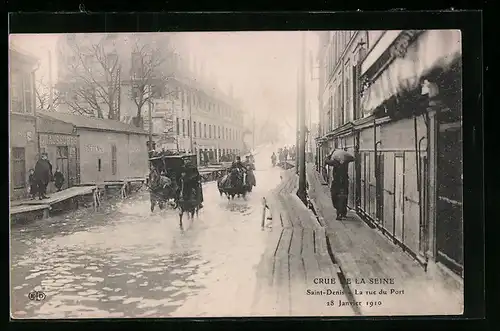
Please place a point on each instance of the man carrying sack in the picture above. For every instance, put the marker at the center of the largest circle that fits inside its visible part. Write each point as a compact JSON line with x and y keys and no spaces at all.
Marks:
{"x":339,"y":188}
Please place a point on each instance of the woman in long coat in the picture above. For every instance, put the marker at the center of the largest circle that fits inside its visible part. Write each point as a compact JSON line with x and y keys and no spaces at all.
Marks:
{"x":339,"y":188}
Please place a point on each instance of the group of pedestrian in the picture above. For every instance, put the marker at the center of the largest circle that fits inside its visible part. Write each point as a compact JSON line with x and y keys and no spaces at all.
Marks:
{"x":41,"y":176}
{"x":287,"y":153}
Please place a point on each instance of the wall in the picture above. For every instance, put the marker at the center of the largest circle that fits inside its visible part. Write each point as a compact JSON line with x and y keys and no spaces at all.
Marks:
{"x":131,"y":155}
{"x":22,"y":134}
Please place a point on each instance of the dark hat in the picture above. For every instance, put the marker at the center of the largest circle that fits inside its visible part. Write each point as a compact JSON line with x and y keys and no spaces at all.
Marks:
{"x":45,"y":154}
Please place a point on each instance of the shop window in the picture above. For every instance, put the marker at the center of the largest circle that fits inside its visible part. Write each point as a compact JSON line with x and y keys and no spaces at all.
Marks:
{"x":199,"y":127}
{"x":210,"y":131}
{"x":177,"y":126}
{"x":204,"y":130}
{"x":183,"y":127}
{"x":194,"y":129}
{"x":18,"y":167}
{"x":99,"y":165}
{"x":113,"y":160}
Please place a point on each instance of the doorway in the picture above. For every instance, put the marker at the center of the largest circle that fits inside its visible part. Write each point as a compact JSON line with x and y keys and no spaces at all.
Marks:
{"x":449,"y":222}
{"x":62,"y":164}
{"x":399,"y":189}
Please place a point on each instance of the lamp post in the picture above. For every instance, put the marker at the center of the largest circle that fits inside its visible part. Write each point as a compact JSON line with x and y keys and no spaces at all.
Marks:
{"x":150,"y":119}
{"x":302,"y":164}
{"x":191,"y":145}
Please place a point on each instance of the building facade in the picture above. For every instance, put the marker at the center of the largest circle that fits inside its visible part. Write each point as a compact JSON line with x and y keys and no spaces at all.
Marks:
{"x":60,"y":141}
{"x":22,"y":118}
{"x":106,"y":150}
{"x":189,"y":99}
{"x":404,"y":128}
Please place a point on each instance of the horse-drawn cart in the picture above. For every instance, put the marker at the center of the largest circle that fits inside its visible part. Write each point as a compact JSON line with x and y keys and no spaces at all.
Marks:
{"x":175,"y":179}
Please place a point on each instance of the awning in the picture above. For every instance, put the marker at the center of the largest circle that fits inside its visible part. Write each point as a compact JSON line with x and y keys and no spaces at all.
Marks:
{"x":432,"y":49}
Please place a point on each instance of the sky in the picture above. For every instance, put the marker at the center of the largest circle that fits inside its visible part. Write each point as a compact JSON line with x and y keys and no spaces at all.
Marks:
{"x":261,"y":67}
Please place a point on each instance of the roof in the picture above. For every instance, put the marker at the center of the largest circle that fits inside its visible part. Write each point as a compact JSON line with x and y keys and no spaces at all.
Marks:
{"x":93,"y":123}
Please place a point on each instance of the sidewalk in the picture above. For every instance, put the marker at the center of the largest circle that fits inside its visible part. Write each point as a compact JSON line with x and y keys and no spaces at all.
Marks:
{"x":364,"y":253}
{"x":296,"y":254}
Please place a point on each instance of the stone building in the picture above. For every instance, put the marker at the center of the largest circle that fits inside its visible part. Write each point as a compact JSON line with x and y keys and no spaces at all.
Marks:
{"x":393,"y":98}
{"x":22,"y":120}
{"x":189,"y":99}
{"x":105,"y":150}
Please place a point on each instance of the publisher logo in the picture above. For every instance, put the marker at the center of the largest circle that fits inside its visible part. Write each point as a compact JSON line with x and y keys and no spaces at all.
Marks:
{"x":36,"y":296}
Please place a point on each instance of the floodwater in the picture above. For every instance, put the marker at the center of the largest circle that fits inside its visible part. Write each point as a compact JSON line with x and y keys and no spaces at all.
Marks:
{"x":125,"y":261}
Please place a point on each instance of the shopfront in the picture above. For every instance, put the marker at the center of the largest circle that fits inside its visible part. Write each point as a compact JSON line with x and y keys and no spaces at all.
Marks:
{"x":404,"y":152}
{"x":62,"y":150}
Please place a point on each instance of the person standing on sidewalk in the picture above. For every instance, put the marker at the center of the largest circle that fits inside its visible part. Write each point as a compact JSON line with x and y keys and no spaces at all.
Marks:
{"x":58,"y":179}
{"x":32,"y":184}
{"x":339,"y":188}
{"x":43,"y":175}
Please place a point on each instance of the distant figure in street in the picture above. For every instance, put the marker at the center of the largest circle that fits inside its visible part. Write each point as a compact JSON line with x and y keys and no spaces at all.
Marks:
{"x":285,"y":154}
{"x":32,"y":184}
{"x":58,"y":179}
{"x":339,"y":187}
{"x":43,"y":175}
{"x":273,"y":159}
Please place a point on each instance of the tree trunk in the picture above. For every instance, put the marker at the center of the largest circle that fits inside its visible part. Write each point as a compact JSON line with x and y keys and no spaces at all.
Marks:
{"x":99,"y":113}
{"x":138,"y":120}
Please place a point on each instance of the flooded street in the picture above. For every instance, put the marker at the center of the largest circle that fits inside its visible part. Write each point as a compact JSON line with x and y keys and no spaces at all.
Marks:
{"x":128,"y":262}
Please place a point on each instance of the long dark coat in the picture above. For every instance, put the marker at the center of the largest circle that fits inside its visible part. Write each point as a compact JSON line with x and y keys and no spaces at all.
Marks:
{"x":43,"y":171}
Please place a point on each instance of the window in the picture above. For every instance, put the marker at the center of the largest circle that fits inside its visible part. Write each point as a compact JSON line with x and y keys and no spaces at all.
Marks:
{"x":18,"y":167}
{"x":113,"y":160}
{"x":189,"y":128}
{"x":194,"y":129}
{"x":184,"y":127}
{"x":227,"y":134}
{"x":339,"y":108}
{"x":99,"y":165}
{"x":199,"y":134}
{"x":218,"y":129}
{"x":204,"y":130}
{"x":21,"y":92}
{"x":230,"y":134}
{"x":210,"y":131}
{"x":177,"y":126}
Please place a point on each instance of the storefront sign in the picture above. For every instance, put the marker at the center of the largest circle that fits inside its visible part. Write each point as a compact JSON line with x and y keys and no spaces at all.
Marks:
{"x":58,"y":140}
{"x":93,"y":148}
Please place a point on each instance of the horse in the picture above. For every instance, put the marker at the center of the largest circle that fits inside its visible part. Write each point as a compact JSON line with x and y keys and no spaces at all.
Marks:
{"x":233,"y":184}
{"x":188,"y":201}
{"x":161,"y":189}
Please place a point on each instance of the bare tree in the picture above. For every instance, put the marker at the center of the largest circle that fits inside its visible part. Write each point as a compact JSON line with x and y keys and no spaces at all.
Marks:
{"x":148,"y":76}
{"x":43,"y":97}
{"x":95,"y":81}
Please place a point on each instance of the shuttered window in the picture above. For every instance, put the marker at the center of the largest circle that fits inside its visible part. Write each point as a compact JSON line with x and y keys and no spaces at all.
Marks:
{"x":18,"y":170}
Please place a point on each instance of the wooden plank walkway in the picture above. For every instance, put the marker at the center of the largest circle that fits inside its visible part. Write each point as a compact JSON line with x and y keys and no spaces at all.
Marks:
{"x":365,"y":253}
{"x":296,"y":255}
{"x":22,"y":209}
{"x":45,"y":205}
{"x":63,"y":195}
